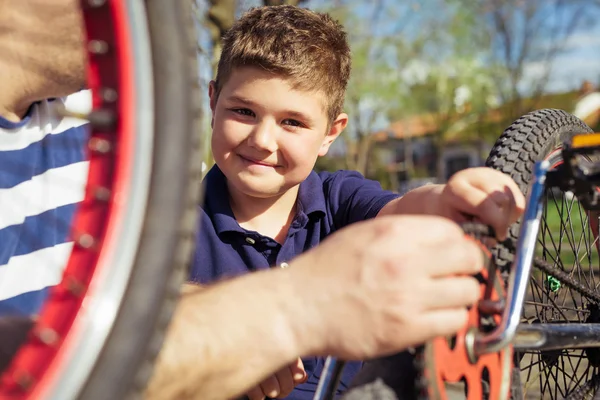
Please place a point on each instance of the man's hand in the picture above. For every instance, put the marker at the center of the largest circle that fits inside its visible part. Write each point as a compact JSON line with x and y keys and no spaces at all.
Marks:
{"x":380,"y":286}
{"x":371,"y":289}
{"x":280,"y":384}
{"x":483,"y":194}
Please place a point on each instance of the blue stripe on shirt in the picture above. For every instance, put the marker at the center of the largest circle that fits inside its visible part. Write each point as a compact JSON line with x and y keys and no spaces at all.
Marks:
{"x":36,"y":232}
{"x":24,"y":304}
{"x":53,"y":151}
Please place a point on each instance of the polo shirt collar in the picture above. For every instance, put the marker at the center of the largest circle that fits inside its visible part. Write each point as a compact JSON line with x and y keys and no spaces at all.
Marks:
{"x":310,"y":196}
{"x":217,"y":202}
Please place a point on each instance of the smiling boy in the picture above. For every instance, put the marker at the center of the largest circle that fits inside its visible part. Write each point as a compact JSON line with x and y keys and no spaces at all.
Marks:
{"x":276,"y":107}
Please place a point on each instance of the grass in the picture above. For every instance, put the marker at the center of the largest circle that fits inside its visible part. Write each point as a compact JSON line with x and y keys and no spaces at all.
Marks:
{"x":565,"y":240}
{"x":569,"y":236}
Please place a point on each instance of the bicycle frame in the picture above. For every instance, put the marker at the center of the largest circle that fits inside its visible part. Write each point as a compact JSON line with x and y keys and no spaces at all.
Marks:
{"x":504,"y":334}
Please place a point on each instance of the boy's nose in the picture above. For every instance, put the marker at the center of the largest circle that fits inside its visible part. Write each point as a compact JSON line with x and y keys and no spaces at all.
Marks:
{"x":263,"y":137}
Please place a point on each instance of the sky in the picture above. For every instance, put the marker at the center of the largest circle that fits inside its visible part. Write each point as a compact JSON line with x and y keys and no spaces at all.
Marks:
{"x":580,"y":58}
{"x":580,"y":61}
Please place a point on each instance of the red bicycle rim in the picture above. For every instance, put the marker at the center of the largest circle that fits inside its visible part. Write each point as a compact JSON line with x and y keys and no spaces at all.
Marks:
{"x":99,"y":218}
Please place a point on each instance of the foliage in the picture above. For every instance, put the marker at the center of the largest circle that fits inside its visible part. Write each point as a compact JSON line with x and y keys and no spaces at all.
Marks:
{"x":468,"y":63}
{"x":518,"y":41}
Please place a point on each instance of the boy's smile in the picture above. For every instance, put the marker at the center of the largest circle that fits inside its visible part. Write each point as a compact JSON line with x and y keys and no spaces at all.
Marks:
{"x":267,"y":135}
{"x":251,"y":161}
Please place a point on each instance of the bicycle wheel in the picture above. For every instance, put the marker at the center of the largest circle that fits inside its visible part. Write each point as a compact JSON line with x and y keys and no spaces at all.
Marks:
{"x":568,"y":240}
{"x":102,"y":325}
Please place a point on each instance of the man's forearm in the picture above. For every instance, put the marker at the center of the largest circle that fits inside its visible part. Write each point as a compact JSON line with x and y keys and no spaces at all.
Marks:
{"x":207,"y":355}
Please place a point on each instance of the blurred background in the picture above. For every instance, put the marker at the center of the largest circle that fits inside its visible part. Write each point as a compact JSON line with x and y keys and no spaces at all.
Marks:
{"x":435,"y":82}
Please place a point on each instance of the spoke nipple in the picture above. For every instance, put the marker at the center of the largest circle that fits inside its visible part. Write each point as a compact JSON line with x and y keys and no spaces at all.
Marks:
{"x":74,"y":286}
{"x":96,"y":3}
{"x":102,"y":193}
{"x":109,"y":95}
{"x":86,"y":241}
{"x":102,"y":118}
{"x":99,"y":145}
{"x":98,"y":47}
{"x":24,"y":380}
{"x":47,"y":336}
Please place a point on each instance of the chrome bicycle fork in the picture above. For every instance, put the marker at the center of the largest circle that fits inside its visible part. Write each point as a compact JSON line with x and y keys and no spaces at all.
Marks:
{"x":329,"y":380}
{"x":479,"y":343}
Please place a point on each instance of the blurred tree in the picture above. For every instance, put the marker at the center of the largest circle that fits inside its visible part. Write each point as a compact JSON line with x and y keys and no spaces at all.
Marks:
{"x":454,"y":94}
{"x":219,"y":18}
{"x":368,"y":101}
{"x":471,"y":56}
{"x":519,"y":40}
{"x":450,"y":58}
{"x":433,"y":74}
{"x":371,"y":92}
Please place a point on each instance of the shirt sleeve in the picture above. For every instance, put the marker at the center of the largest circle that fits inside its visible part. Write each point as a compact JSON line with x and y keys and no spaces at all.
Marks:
{"x":350,"y":197}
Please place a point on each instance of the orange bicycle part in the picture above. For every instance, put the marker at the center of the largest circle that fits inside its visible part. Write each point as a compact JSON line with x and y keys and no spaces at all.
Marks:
{"x":448,"y":367}
{"x":591,"y":140}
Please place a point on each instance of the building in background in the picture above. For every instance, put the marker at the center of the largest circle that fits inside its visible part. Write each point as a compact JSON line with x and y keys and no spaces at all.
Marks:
{"x":587,"y":107}
{"x":425,"y":149}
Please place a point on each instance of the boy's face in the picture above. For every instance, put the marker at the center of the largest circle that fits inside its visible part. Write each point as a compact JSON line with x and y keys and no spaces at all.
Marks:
{"x":266,"y":135}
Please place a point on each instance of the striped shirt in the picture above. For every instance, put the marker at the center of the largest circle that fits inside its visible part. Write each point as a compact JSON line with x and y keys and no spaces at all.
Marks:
{"x":43,"y":170}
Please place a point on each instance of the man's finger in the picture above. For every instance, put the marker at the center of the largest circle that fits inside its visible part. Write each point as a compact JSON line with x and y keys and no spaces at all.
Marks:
{"x":286,"y":382}
{"x":437,"y":323}
{"x":255,"y":393}
{"x":270,"y":387}
{"x":452,"y":292}
{"x":298,"y":373}
{"x":462,"y":256}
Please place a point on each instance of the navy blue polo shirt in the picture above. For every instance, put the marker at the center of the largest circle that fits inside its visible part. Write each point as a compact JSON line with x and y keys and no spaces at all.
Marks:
{"x":326,"y":202}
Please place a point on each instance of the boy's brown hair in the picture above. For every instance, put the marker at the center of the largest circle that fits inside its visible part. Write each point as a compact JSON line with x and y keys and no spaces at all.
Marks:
{"x":307,"y":47}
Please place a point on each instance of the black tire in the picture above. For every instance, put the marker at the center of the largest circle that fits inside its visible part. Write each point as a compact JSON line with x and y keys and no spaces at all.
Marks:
{"x":125,"y":363}
{"x":530,"y":139}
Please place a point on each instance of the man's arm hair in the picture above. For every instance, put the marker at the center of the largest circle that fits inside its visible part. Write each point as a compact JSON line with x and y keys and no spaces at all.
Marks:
{"x":226,"y":337}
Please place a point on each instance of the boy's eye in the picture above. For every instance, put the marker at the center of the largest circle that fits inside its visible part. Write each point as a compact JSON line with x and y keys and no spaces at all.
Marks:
{"x":243,"y":111}
{"x":292,"y":122}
